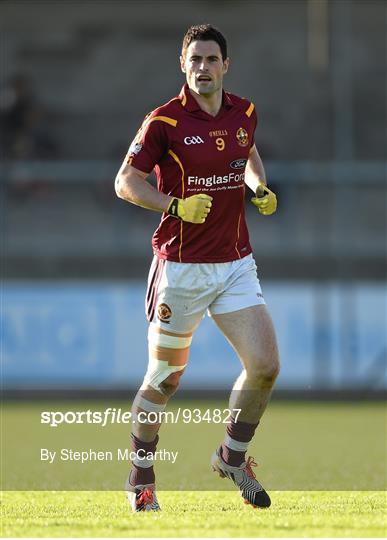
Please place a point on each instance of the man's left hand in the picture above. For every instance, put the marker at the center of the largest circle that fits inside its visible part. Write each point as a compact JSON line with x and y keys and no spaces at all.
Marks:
{"x":265,"y":200}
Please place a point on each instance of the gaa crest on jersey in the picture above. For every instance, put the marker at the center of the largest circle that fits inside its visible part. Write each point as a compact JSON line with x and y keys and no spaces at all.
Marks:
{"x":242,"y":137}
{"x":134,"y":148}
{"x":164,"y":313}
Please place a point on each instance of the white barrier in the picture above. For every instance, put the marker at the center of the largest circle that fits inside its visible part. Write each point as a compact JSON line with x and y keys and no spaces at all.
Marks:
{"x":66,"y":334}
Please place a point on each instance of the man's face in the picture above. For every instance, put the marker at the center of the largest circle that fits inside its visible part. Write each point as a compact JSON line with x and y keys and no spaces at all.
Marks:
{"x":204,"y":67}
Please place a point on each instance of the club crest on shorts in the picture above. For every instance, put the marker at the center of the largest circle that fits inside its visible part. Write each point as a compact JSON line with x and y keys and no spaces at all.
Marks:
{"x":242,"y":137}
{"x":164,"y":313}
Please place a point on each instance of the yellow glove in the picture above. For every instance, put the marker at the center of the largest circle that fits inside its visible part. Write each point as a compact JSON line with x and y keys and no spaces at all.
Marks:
{"x":193,"y":209}
{"x":265,"y":200}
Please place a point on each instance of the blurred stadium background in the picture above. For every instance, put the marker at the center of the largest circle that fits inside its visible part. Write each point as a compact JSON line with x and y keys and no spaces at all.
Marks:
{"x":77,"y":78}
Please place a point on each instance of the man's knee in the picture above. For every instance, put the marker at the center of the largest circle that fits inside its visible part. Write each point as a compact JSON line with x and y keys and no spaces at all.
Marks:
{"x":169,"y":386}
{"x":264,"y":370}
{"x":162,"y":377}
{"x":168,"y":357}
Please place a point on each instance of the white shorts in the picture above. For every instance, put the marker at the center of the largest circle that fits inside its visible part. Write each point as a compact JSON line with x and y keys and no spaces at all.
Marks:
{"x":179,"y":294}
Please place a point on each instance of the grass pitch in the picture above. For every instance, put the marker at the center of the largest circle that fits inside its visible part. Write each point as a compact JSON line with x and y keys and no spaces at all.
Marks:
{"x":189,"y":514}
{"x":324,"y":465}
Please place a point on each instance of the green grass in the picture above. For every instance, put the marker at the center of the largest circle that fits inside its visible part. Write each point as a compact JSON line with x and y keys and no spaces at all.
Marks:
{"x":194,"y":514}
{"x":324,"y":465}
{"x":299,"y":447}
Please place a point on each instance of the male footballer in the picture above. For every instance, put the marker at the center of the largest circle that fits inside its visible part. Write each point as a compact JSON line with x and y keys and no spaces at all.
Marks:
{"x":201,"y":146}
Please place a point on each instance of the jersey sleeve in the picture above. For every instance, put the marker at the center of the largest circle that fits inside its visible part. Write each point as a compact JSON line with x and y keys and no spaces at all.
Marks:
{"x":149,"y":145}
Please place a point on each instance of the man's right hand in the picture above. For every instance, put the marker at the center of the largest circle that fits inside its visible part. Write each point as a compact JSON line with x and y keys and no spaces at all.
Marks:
{"x":194,"y":209}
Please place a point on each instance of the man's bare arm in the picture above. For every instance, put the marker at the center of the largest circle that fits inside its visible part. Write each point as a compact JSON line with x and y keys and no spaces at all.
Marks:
{"x":255,"y":173}
{"x":131,"y":185}
{"x":265,"y":200}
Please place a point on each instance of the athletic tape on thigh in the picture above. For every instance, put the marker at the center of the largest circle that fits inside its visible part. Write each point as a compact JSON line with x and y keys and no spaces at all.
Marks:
{"x":238,"y":446}
{"x":156,"y":339}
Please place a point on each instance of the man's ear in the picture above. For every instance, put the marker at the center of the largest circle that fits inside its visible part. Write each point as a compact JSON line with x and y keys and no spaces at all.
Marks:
{"x":182,"y":64}
{"x":226,"y":64}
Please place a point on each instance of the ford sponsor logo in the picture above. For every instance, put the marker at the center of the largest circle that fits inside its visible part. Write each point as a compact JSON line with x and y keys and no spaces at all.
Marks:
{"x":238,"y":163}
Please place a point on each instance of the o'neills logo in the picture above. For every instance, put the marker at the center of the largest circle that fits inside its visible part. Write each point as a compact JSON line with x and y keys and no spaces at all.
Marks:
{"x":242,"y":137}
{"x":218,"y":133}
{"x":214,"y":180}
{"x":164,"y":313}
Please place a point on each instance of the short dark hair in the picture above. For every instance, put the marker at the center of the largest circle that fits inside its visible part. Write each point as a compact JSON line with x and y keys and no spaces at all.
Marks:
{"x":204,"y":32}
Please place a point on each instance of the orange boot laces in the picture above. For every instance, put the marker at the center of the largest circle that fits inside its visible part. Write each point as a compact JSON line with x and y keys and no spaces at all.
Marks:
{"x":249,"y":465}
{"x":145,"y":497}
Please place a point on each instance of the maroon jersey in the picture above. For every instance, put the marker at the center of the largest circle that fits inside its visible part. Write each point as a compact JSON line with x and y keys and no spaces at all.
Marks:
{"x":193,"y":152}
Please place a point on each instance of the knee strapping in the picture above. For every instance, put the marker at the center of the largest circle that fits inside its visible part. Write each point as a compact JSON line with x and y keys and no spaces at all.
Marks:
{"x":159,"y":370}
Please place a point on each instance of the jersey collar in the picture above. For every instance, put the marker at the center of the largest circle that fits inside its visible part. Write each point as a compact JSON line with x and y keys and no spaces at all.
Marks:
{"x":191,"y":105}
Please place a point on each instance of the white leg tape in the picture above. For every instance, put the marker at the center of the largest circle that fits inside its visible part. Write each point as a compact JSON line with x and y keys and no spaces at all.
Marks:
{"x":238,"y":446}
{"x":158,"y":371}
{"x":156,"y":339}
{"x":149,"y":406}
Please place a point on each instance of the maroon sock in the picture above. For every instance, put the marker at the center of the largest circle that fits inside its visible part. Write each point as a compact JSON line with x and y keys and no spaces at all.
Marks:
{"x":240,"y":432}
{"x":142,"y":475}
